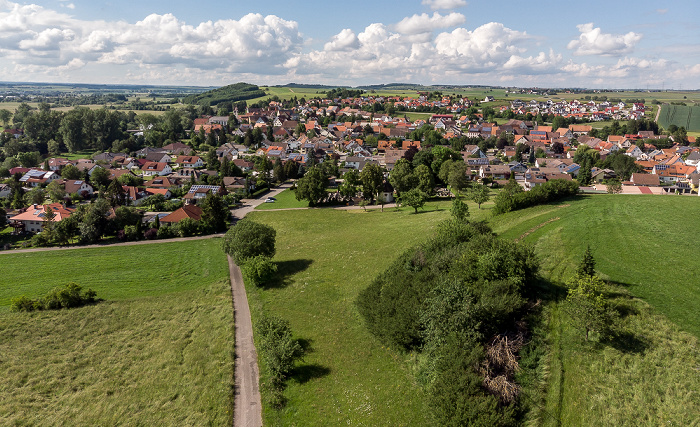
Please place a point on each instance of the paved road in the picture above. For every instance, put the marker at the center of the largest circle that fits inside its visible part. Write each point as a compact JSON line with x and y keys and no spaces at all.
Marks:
{"x":247,"y":410}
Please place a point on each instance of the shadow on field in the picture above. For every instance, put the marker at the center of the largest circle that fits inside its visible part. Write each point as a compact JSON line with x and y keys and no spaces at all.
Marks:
{"x":305,"y":373}
{"x":627,"y":342}
{"x":285,"y":270}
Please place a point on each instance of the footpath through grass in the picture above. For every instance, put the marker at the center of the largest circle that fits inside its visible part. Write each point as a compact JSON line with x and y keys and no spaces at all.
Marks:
{"x":650,"y":374}
{"x":326,"y":257}
{"x":158,"y":351}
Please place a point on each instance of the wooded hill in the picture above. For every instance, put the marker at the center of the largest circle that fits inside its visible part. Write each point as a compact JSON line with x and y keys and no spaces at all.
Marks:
{"x":231,"y":93}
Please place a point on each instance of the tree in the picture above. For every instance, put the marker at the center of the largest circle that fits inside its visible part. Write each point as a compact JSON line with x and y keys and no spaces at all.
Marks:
{"x":587,"y":307}
{"x":587,"y":265}
{"x":479,"y":194}
{"x":278,"y":172}
{"x":457,"y":178}
{"x":3,"y":218}
{"x":459,"y":209}
{"x":214,"y":213}
{"x":36,"y":195}
{"x":248,"y":239}
{"x":70,"y":172}
{"x":426,"y":180}
{"x":372,"y":179}
{"x":584,"y":174}
{"x":414,"y":198}
{"x":614,"y":186}
{"x":402,"y":177}
{"x":100,"y":176}
{"x":5,"y":116}
{"x":312,"y":186}
{"x":558,"y":147}
{"x":278,"y":348}
{"x":116,"y":194}
{"x":351,"y":179}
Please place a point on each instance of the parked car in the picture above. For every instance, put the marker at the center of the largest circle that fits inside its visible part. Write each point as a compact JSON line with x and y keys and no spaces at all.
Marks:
{"x":269,"y":200}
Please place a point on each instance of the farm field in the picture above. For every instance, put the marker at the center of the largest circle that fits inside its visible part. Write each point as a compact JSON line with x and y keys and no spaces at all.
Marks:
{"x":157,"y":351}
{"x":680,"y":115}
{"x":350,"y":378}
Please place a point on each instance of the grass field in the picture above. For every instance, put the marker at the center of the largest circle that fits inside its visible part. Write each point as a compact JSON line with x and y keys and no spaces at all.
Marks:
{"x":349,"y":378}
{"x":649,"y":374}
{"x":284,"y":200}
{"x":327,"y":257}
{"x":158,"y":351}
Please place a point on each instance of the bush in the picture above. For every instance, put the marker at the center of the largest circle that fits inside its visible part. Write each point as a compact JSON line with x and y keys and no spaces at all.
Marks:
{"x":248,"y":239}
{"x":258,"y":270}
{"x":513,"y":199}
{"x":68,"y":296}
{"x":166,"y":232}
{"x":187,"y":227}
{"x":151,"y":234}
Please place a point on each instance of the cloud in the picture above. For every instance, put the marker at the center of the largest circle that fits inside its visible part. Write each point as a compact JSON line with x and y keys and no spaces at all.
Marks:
{"x":444,"y":4}
{"x":662,"y":11}
{"x":594,"y":42}
{"x":424,"y":23}
{"x":345,"y":40}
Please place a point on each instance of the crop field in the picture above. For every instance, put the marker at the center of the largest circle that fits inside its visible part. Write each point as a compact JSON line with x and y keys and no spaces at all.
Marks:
{"x":679,"y":115}
{"x":157,"y":351}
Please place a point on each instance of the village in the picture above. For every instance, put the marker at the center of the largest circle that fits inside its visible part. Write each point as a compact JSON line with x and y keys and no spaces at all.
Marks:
{"x":311,"y":133}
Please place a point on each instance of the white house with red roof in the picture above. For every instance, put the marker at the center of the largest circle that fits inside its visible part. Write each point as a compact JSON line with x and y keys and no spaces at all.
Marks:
{"x":34,"y":218}
{"x":156,"y":168}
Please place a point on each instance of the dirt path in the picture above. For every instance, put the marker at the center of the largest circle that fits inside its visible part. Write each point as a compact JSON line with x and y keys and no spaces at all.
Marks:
{"x":658,"y":113}
{"x":247,"y":411}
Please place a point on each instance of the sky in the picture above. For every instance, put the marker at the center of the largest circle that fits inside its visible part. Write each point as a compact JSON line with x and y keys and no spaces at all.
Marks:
{"x":592,"y":44}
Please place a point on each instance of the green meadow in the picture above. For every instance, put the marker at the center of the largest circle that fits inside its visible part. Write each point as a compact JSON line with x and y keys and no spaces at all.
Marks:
{"x":649,"y":374}
{"x":157,"y":351}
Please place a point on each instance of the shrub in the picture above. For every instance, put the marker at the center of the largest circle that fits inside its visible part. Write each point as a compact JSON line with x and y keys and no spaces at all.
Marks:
{"x":258,"y":270}
{"x":248,"y":239}
{"x":68,"y":296}
{"x":151,"y":234}
{"x":187,"y":227}
{"x":165,"y":232}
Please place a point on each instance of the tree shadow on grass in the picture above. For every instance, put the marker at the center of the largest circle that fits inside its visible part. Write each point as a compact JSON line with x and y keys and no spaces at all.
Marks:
{"x":285,"y":271}
{"x":627,"y":342}
{"x":306,"y":372}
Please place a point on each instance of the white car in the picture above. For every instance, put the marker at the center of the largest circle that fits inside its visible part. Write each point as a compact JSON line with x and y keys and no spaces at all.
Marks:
{"x":269,"y":200}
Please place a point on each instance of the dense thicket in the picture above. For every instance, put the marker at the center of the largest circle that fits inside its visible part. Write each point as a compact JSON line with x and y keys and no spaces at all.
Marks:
{"x":445,"y":299}
{"x":227,"y":94}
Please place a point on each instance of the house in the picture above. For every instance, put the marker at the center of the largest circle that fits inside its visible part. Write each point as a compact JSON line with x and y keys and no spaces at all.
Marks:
{"x":87,"y":166}
{"x":187,"y":211}
{"x":79,"y":187}
{"x":494,"y":172}
{"x":37,"y":177}
{"x":645,"y":179}
{"x":135,"y":195}
{"x":158,"y":157}
{"x":198,"y":192}
{"x":578,"y":130}
{"x":156,"y":168}
{"x":177,"y":148}
{"x":34,"y":218}
{"x":189,"y":161}
{"x":55,"y":163}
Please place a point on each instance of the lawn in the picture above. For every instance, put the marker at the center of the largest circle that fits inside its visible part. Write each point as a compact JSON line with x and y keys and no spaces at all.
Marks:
{"x":284,"y":200}
{"x":651,"y":371}
{"x":158,"y":351}
{"x":349,"y":378}
{"x":326,"y":258}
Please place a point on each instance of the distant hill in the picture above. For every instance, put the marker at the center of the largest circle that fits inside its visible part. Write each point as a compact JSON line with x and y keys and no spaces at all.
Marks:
{"x":231,"y":93}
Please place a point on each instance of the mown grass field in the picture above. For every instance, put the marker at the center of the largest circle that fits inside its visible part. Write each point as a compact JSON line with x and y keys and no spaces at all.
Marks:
{"x":326,"y":258}
{"x":157,"y":351}
{"x":649,"y":375}
{"x":284,"y":200}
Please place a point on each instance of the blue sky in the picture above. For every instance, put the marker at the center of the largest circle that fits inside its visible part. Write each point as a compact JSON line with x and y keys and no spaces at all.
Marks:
{"x":598,"y":44}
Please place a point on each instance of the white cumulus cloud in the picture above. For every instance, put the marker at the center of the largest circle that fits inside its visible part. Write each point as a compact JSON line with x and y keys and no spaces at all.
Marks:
{"x":345,"y":40}
{"x":444,"y":4}
{"x":592,"y":41}
{"x":424,"y":23}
